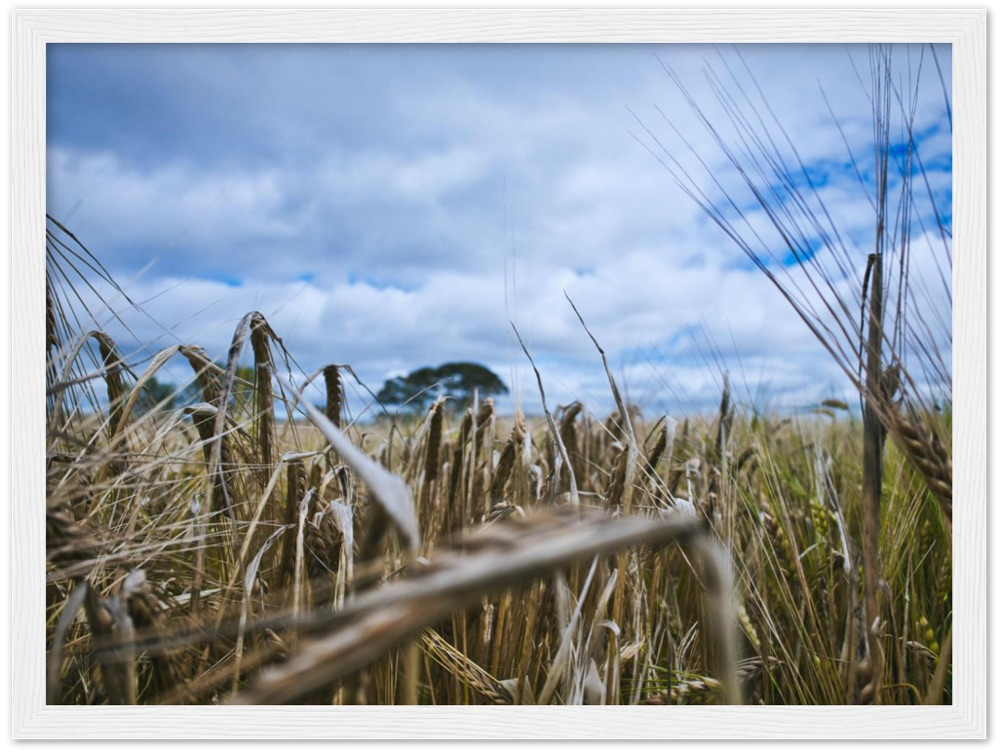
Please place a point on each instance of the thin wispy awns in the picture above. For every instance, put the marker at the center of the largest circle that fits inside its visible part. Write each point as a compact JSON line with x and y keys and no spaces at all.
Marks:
{"x":873,"y":310}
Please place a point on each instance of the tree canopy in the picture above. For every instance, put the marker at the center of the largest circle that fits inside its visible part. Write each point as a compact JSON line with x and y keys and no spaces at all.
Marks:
{"x":155,"y":393}
{"x":170,"y":396}
{"x":460,"y":381}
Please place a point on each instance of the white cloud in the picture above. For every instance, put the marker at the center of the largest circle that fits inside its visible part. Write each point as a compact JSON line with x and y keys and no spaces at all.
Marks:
{"x":479,"y":196}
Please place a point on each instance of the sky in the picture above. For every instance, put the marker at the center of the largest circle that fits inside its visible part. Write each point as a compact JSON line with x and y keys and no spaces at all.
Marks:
{"x":397,"y":206}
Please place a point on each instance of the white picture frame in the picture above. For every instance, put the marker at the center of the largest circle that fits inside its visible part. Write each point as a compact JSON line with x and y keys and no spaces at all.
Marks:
{"x":964,"y":29}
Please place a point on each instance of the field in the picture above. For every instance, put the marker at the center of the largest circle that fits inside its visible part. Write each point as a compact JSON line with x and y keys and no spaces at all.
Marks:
{"x":203,"y":555}
{"x":246,"y":546}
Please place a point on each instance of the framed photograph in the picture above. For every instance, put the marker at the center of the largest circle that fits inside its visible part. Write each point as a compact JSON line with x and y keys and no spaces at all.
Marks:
{"x":499,"y":374}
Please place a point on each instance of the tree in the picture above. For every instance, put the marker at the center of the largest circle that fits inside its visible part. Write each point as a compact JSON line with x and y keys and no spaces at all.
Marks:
{"x":241,"y":395}
{"x":154,"y":393}
{"x":460,"y":381}
{"x":172,"y":397}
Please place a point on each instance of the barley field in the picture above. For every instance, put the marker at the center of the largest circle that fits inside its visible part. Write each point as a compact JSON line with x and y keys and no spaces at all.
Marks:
{"x":252,"y":545}
{"x":220,"y":553}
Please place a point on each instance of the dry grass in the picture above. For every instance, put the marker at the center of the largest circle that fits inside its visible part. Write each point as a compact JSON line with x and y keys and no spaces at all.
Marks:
{"x":250,"y":548}
{"x":221,"y":554}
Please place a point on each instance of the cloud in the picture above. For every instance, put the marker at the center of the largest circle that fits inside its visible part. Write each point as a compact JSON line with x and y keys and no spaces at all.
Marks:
{"x":393,"y":207}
